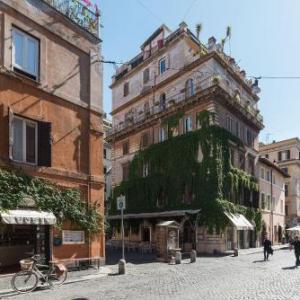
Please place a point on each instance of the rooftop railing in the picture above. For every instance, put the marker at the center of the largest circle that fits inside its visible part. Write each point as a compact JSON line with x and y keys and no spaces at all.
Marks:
{"x":142,"y":114}
{"x":81,"y":12}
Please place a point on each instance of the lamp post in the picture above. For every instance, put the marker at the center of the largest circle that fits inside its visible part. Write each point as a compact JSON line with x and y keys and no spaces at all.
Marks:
{"x":121,"y":205}
{"x":272,"y":211}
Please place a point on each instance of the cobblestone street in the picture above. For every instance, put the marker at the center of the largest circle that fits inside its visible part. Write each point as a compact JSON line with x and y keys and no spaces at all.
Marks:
{"x":226,"y":278}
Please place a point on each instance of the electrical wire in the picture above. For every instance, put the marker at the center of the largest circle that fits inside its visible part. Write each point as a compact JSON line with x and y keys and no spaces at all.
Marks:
{"x":150,"y":11}
{"x":189,"y":9}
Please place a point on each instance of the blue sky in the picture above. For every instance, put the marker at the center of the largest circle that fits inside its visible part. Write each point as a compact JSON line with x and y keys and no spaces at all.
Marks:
{"x":265,"y":41}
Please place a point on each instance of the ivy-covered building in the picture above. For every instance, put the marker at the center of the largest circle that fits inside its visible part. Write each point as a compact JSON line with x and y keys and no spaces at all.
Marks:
{"x":185,"y":143}
{"x":51,"y":136}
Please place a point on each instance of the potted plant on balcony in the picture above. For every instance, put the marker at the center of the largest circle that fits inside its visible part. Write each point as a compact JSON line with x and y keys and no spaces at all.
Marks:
{"x":237,"y":97}
{"x":216,"y":79}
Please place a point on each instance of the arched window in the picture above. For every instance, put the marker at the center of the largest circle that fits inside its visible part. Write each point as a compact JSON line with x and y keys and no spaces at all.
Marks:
{"x":162,"y":101}
{"x":189,"y":88}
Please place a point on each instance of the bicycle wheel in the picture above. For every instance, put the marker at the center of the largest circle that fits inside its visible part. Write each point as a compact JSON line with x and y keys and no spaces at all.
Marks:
{"x":24,"y":281}
{"x":56,"y":277}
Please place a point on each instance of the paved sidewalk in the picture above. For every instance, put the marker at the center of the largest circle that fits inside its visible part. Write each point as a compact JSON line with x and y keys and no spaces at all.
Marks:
{"x":261,"y":249}
{"x":74,"y":276}
{"x":246,"y":277}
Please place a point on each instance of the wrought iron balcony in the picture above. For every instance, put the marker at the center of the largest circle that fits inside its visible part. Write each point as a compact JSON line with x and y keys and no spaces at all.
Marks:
{"x":241,"y":103}
{"x":81,"y":12}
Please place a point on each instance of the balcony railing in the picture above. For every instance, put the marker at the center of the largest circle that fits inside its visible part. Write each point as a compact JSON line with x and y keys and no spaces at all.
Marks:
{"x":239,"y":102}
{"x":85,"y":16}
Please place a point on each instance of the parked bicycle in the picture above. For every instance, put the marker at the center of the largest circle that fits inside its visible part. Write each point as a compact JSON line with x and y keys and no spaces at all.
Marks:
{"x":32,"y":273}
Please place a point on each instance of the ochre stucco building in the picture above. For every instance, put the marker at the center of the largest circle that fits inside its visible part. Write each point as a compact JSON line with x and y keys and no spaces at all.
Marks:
{"x":51,"y":113}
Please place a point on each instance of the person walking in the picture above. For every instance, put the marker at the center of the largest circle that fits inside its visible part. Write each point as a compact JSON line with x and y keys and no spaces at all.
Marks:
{"x":296,"y":245}
{"x":267,"y":248}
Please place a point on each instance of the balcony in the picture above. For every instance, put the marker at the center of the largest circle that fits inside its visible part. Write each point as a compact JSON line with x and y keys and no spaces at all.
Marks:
{"x":81,"y":12}
{"x":201,"y":87}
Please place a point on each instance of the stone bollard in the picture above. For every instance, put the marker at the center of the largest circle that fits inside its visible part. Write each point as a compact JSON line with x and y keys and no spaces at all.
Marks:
{"x":193,"y":256}
{"x":235,"y":252}
{"x":122,"y":266}
{"x":178,"y":257}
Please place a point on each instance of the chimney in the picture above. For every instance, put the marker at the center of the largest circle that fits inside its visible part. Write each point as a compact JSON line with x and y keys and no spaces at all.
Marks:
{"x":243,"y":74}
{"x":183,"y":26}
{"x":211,"y":42}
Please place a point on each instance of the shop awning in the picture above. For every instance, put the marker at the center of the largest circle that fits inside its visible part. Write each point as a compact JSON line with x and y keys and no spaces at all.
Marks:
{"x":27,"y":217}
{"x":239,"y":221}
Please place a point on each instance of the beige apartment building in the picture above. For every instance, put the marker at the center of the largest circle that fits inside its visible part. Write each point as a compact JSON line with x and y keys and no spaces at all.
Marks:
{"x":286,"y":154}
{"x":176,"y":76}
{"x":272,"y":199}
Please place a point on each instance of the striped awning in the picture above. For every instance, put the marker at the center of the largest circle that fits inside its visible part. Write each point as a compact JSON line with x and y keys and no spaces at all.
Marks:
{"x":239,"y":221}
{"x":27,"y":217}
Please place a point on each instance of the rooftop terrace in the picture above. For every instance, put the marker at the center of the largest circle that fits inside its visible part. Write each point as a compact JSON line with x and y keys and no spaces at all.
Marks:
{"x":82,"y":12}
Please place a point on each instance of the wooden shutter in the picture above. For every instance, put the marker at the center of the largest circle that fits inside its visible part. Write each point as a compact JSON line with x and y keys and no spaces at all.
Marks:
{"x":44,"y":144}
{"x":279,"y":156}
{"x":10,"y":132}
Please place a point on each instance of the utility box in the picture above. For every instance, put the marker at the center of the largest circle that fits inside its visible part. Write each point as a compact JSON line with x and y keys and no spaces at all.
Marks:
{"x":167,"y":240}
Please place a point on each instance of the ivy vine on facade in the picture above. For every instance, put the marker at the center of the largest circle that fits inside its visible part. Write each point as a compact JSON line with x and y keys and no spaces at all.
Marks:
{"x":190,"y":171}
{"x":16,"y":187}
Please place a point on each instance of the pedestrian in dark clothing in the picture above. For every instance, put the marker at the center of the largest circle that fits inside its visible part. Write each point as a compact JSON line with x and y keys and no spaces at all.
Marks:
{"x":296,"y":245}
{"x":267,"y":248}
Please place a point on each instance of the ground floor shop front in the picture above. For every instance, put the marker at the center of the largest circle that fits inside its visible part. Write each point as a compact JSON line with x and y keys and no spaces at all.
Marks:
{"x":24,"y":233}
{"x":141,"y":230}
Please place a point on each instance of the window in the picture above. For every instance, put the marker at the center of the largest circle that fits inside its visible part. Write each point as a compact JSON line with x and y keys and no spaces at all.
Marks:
{"x":273,"y":179}
{"x":188,"y":124}
{"x":242,"y":132}
{"x":163,"y":134}
{"x":104,"y":170}
{"x":242,"y":161}
{"x":286,"y":190}
{"x":268,"y":202}
{"x":145,"y":140}
{"x":125,"y":171}
{"x":284,"y":155}
{"x":268,"y":176}
{"x":232,"y":160}
{"x":25,"y":52}
{"x":267,"y":156}
{"x":286,"y":210}
{"x":273,"y":203}
{"x":146,"y":108}
{"x":262,"y":173}
{"x":125,"y":147}
{"x":126,"y":89}
{"x":249,"y":137}
{"x":104,"y":153}
{"x":162,"y":101}
{"x":146,"y":75}
{"x":251,"y":165}
{"x":24,"y":148}
{"x":145,"y":170}
{"x":237,"y":128}
{"x":189,"y":88}
{"x":262,"y":201}
{"x":162,"y":66}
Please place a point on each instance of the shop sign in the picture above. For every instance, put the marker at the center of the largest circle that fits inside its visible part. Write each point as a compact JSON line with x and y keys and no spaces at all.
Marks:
{"x":73,"y":237}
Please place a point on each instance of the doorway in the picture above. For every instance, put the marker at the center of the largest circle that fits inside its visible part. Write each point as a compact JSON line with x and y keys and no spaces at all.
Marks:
{"x":146,"y":234}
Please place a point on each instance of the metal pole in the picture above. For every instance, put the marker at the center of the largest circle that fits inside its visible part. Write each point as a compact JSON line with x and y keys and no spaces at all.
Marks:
{"x":122,"y":229}
{"x":272,"y":228}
